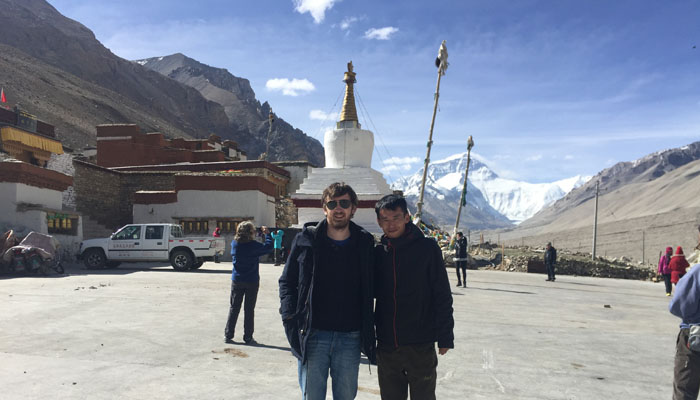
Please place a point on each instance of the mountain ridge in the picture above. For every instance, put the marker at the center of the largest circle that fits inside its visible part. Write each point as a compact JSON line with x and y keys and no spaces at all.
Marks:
{"x":56,"y":69}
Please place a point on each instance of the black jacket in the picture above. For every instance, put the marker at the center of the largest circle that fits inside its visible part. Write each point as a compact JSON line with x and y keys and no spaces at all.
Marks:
{"x":461,"y":248}
{"x":297,"y":281}
{"x":550,"y":255}
{"x":414,"y":300}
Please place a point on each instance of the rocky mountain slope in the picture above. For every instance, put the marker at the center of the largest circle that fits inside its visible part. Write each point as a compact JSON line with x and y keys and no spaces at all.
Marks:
{"x":248,"y":117}
{"x":643,"y":206}
{"x":645,"y":169}
{"x":492,"y":201}
{"x":55,"y":68}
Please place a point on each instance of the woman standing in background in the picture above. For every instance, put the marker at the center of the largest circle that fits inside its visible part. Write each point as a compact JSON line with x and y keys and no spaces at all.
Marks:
{"x":245,"y":252}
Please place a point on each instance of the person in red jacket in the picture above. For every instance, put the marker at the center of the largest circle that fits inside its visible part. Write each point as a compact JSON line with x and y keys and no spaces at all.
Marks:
{"x":678,"y":265}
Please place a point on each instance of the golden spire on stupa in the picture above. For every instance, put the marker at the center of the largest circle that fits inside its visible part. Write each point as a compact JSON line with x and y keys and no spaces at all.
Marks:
{"x":348,"y":115}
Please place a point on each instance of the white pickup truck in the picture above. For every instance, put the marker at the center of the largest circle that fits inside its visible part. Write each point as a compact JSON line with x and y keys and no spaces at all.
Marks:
{"x":150,"y":242}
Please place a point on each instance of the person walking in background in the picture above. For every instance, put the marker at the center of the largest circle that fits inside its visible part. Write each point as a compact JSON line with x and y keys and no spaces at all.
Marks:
{"x":461,"y":258}
{"x":245,"y":252}
{"x":217,"y":233}
{"x":686,"y":305}
{"x":327,"y":298}
{"x":414,"y":305}
{"x":678,"y":265}
{"x":550,"y":258}
{"x":665,"y":269}
{"x":278,"y":245}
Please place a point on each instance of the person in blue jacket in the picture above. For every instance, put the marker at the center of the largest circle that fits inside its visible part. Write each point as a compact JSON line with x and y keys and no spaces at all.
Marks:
{"x":245,"y":252}
{"x":278,"y":244}
{"x":686,"y":305}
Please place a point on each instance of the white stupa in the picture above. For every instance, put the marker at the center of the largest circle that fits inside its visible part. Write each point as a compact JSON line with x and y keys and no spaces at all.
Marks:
{"x":348,"y":151}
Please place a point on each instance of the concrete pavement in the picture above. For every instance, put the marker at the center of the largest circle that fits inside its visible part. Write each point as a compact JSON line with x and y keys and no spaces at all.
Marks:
{"x":147,"y":331}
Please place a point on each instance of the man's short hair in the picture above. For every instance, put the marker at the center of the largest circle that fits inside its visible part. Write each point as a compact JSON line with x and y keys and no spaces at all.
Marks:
{"x":338,"y":189}
{"x":391,"y":202}
{"x":460,"y":234}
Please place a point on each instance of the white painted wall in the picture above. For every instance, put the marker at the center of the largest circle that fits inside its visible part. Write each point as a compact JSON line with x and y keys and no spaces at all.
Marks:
{"x":297,"y":174}
{"x":348,"y":147}
{"x":13,"y":193}
{"x":203,"y":204}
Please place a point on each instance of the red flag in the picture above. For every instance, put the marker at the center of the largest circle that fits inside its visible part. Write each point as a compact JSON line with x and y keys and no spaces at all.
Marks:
{"x":2,"y":96}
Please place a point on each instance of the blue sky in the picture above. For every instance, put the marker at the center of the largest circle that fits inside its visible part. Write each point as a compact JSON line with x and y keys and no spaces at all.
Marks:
{"x":548,"y":89}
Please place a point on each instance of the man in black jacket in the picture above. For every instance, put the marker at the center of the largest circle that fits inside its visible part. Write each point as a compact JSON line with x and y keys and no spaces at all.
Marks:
{"x":461,"y":258}
{"x":326,"y":293}
{"x":414,"y":305}
{"x":550,"y":258}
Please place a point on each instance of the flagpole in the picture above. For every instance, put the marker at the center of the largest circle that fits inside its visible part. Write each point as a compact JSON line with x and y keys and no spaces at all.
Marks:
{"x":442,"y":64}
{"x":463,"y":198}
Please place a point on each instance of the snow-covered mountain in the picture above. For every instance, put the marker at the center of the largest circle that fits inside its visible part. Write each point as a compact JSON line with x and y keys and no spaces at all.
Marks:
{"x":492,"y":201}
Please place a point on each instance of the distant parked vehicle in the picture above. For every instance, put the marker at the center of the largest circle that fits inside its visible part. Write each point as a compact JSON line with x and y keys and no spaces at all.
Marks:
{"x":150,"y":243}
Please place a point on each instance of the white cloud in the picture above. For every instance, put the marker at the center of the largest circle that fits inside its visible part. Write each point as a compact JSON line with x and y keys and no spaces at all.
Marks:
{"x":290,"y":88}
{"x":317,"y":8}
{"x":322,"y":116}
{"x":568,"y":157}
{"x":536,"y":157}
{"x":399,"y":164}
{"x":401,"y":160}
{"x":380,"y":33}
{"x":347,"y":21}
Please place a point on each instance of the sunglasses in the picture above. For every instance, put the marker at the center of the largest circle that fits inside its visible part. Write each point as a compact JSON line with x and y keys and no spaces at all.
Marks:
{"x":343,"y":203}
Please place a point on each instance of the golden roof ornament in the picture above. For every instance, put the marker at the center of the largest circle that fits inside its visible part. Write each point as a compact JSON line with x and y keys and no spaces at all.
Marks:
{"x":348,"y":115}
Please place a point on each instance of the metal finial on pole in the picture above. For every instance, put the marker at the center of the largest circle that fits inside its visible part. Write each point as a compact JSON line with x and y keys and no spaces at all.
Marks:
{"x":463,"y":198}
{"x":441,"y":63}
{"x":595,"y":220}
{"x":271,"y":119}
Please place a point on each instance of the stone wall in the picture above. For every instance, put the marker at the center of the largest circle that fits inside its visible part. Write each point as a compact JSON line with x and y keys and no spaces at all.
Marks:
{"x":107,"y":196}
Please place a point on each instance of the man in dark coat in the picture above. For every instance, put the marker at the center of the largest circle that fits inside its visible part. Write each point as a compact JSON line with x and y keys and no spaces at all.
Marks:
{"x":550,"y":258}
{"x":414,"y":305}
{"x":326,"y":293}
{"x":461,"y":258}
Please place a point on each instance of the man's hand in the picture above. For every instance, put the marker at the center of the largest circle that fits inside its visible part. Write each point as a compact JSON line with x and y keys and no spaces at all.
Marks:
{"x":442,"y":350}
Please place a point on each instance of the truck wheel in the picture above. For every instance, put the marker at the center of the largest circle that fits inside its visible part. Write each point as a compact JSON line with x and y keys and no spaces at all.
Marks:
{"x":181,"y":260}
{"x":112,"y":264}
{"x":94,"y":259}
{"x":198,"y":263}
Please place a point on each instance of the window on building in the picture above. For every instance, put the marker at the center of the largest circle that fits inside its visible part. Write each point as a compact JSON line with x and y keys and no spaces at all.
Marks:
{"x":195,"y":227}
{"x":227,"y":226}
{"x":129,"y":232}
{"x":61,"y":224}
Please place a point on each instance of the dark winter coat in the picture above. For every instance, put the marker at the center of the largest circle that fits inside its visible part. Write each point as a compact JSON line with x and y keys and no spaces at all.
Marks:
{"x":297,"y":281}
{"x":550,"y":255}
{"x":246,"y":259}
{"x":414,"y":300}
{"x":461,"y":248}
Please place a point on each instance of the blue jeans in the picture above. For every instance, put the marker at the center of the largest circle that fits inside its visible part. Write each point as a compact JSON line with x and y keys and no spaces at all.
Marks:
{"x":338,"y":352}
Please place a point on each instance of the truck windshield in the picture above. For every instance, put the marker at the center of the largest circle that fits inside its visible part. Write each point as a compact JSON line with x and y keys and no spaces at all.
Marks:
{"x":176,"y":231}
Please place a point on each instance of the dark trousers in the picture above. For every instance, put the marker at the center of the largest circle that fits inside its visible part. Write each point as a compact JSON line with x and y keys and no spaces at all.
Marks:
{"x":686,"y":370}
{"x":667,"y":282}
{"x":461,"y":265}
{"x":240,"y":291}
{"x":550,"y":271}
{"x":277,"y":256}
{"x":410,"y":367}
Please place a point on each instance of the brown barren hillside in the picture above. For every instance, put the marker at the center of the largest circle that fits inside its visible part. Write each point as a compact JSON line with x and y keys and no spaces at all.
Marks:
{"x":636,"y":220}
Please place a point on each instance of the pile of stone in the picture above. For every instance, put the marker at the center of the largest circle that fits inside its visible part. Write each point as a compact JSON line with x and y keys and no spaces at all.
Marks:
{"x":620,"y":269}
{"x":285,"y":213}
